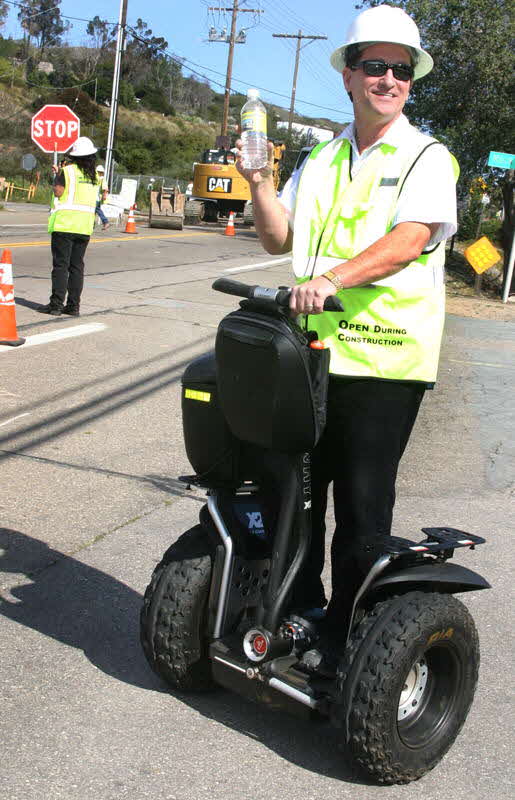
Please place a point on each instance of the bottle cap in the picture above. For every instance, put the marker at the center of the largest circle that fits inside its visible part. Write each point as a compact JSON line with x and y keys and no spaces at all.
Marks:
{"x":253,"y":94}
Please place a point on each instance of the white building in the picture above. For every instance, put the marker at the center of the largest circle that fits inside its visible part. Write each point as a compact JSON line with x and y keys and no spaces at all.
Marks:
{"x":315,"y":134}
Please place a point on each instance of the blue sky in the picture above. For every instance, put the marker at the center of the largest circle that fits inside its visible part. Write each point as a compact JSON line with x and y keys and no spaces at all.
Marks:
{"x":263,"y":61}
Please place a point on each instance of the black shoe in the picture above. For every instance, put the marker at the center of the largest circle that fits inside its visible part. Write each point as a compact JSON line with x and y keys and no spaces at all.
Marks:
{"x":55,"y":311}
{"x":72,"y":311}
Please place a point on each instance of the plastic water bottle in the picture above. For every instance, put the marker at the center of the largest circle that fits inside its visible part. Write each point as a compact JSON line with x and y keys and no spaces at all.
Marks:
{"x":253,"y":132}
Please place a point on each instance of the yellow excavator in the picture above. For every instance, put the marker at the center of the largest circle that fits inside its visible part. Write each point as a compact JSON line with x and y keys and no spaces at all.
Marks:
{"x":218,"y":187}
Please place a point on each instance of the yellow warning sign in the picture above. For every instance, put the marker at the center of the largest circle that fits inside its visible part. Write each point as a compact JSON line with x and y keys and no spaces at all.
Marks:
{"x":482,"y":255}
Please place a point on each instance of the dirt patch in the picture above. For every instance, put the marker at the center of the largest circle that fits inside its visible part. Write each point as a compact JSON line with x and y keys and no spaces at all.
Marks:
{"x":461,"y":297}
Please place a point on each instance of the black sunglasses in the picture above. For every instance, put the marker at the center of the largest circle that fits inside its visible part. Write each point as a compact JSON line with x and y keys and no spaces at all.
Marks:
{"x":401,"y":72}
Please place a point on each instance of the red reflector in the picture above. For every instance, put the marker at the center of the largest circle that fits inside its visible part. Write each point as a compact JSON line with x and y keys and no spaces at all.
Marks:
{"x":259,"y":645}
{"x":317,"y":345}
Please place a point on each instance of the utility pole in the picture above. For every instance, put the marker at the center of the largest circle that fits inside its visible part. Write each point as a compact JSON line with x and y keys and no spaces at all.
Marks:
{"x":299,"y":38}
{"x":231,"y":41}
{"x":120,"y":45}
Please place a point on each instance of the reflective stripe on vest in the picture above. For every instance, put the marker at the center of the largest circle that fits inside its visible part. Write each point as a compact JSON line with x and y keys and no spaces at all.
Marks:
{"x":74,"y":211}
{"x":391,"y":329}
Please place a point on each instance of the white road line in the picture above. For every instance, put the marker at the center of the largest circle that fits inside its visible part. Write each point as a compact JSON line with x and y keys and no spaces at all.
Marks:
{"x":54,"y":336}
{"x":28,"y":225}
{"x":481,"y":363}
{"x":261,"y":264}
{"x":18,"y":416}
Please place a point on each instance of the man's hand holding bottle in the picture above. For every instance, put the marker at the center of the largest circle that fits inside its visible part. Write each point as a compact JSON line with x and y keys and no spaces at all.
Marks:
{"x":255,"y":176}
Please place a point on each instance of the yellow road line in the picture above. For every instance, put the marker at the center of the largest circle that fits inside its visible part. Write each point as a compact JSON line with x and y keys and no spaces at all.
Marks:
{"x":127,"y":238}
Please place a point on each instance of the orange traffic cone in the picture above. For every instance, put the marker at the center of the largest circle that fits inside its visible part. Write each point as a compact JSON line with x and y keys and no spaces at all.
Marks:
{"x":131,"y":224}
{"x":229,"y":230}
{"x":8,"y":334}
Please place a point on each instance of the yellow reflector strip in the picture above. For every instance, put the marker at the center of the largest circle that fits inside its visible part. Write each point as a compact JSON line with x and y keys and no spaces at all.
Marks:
{"x":192,"y":394}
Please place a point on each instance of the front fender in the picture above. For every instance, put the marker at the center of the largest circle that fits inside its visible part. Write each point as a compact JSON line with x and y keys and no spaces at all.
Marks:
{"x":437,"y":576}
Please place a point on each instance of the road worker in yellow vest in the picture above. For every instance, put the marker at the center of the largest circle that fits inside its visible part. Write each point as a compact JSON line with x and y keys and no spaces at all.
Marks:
{"x":365,"y":217}
{"x":71,"y":222}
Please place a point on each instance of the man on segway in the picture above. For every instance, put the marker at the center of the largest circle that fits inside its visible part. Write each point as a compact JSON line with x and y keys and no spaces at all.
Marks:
{"x":366,"y":217}
{"x":235,"y":600}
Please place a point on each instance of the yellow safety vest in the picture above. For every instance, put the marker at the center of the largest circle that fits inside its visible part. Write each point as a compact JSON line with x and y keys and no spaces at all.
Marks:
{"x":74,"y":211}
{"x":391,"y":329}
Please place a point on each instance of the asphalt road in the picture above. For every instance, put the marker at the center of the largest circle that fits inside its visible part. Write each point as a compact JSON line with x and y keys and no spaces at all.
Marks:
{"x":90,"y":450}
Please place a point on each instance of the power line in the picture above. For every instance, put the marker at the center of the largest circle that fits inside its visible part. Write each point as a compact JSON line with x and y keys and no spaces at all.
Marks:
{"x":183,"y":60}
{"x":40,"y":13}
{"x":64,"y":16}
{"x":324,"y":76}
{"x":235,"y":9}
{"x":286,"y":15}
{"x":299,"y":36}
{"x":272,"y":20}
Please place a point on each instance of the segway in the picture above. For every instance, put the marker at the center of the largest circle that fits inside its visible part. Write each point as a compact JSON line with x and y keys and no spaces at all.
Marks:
{"x":218,"y":608}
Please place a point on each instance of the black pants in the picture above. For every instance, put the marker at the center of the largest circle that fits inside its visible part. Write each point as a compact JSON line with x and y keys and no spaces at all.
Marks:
{"x":368,"y":426}
{"x":68,"y":268}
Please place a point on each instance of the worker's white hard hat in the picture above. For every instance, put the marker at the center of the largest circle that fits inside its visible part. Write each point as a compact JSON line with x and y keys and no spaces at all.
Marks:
{"x":100,"y":168}
{"x":83,"y":147}
{"x":385,"y":24}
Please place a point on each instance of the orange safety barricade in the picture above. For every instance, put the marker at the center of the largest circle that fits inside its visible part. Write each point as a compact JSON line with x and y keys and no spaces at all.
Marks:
{"x":8,"y":333}
{"x":229,"y":230}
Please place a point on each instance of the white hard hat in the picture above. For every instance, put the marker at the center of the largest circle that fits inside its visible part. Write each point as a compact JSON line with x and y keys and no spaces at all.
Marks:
{"x":385,"y":24}
{"x":100,"y":168}
{"x":83,"y":147}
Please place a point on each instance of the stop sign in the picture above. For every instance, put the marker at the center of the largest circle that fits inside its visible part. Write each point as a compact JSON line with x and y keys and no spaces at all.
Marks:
{"x":55,"y":128}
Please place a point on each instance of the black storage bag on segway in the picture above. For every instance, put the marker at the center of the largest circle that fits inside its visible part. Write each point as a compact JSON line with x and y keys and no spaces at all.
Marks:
{"x":210,"y":446}
{"x":272,"y":386}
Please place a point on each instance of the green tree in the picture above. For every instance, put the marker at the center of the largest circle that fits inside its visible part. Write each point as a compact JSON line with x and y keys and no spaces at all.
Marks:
{"x":294,"y":144}
{"x":144,"y":42}
{"x":141,"y":51}
{"x":160,"y":85}
{"x":101,"y":33}
{"x":467,"y":100}
{"x":4,"y":8}
{"x":41,"y":20}
{"x":127,"y":96}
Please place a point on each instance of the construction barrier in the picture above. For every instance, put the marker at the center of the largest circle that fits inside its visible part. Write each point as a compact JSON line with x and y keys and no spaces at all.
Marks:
{"x":229,"y":230}
{"x":10,"y":188}
{"x":131,"y":223}
{"x":8,"y":333}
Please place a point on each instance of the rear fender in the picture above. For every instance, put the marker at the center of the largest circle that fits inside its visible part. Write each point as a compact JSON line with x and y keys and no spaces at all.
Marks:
{"x":440,"y":577}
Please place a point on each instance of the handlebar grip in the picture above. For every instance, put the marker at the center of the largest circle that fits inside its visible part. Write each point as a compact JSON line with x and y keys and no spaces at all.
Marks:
{"x":333,"y":304}
{"x":228,"y":286}
{"x":279,"y":297}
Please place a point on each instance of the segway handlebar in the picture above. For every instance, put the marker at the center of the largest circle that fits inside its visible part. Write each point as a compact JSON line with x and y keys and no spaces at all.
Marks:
{"x":278,"y":297}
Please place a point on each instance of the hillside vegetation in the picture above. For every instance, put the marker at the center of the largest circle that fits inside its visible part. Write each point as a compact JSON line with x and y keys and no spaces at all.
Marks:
{"x":165,"y":119}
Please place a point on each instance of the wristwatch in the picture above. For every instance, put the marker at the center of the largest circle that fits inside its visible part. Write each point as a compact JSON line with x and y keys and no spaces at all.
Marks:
{"x":335,"y":279}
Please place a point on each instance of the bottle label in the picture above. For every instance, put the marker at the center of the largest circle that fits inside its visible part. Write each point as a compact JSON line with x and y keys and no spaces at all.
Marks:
{"x":254,"y":121}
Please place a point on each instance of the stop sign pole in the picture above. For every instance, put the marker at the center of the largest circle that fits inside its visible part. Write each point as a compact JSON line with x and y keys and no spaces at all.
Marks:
{"x":55,"y":128}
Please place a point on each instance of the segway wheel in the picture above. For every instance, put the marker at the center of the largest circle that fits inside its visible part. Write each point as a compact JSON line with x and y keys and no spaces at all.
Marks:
{"x":173,"y":620}
{"x":406,"y":684}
